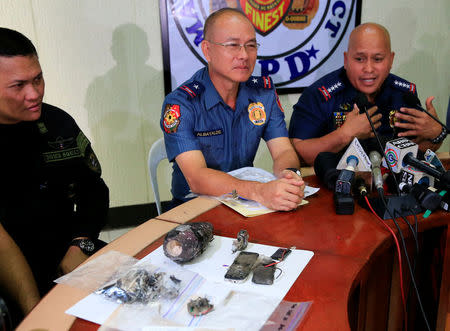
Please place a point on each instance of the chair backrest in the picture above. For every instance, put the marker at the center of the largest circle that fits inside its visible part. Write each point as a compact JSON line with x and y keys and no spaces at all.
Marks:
{"x":156,"y":154}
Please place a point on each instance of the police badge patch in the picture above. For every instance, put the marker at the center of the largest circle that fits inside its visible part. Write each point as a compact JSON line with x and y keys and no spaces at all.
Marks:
{"x":171,"y":118}
{"x":256,"y":113}
{"x":300,"y":38}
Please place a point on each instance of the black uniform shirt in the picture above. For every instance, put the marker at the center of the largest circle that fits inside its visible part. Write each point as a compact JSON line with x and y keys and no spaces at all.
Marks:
{"x":50,"y":189}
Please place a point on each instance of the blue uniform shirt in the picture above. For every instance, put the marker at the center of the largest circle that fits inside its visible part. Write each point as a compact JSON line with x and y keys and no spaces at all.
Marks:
{"x":322,"y":106}
{"x":194,"y":117}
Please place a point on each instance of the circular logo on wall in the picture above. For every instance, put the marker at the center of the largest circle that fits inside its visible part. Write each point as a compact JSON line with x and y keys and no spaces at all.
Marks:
{"x":297,"y":36}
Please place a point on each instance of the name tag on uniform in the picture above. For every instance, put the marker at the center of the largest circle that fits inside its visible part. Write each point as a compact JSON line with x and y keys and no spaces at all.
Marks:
{"x":211,"y":133}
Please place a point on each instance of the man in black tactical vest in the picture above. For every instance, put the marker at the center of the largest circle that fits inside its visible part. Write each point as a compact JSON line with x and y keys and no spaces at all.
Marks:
{"x":53,"y":201}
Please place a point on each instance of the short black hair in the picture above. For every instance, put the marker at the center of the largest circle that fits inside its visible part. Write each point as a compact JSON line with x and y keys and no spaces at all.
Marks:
{"x":13,"y":43}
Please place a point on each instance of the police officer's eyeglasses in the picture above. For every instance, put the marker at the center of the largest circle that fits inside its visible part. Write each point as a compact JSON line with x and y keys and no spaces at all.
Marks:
{"x":233,"y":47}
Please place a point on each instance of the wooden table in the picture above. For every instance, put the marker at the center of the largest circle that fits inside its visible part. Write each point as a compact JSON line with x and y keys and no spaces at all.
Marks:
{"x":352,"y":278}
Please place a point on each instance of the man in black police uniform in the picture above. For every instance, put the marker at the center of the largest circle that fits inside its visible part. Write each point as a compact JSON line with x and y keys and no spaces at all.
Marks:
{"x":53,"y":202}
{"x":326,"y":118}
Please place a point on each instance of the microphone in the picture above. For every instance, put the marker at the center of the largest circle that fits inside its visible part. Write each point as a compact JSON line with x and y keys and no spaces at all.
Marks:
{"x":343,"y":199}
{"x":360,"y":187}
{"x":413,"y":101}
{"x":375,"y":159}
{"x":325,"y":168}
{"x":409,"y":159}
{"x":355,"y":150}
{"x":427,"y":196}
{"x":396,"y":150}
{"x":346,"y":176}
{"x":444,"y":177}
{"x":362,"y":102}
{"x":401,"y":152}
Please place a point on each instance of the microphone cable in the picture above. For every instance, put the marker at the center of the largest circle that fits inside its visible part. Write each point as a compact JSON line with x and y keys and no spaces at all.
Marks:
{"x":413,"y":101}
{"x":415,"y":234}
{"x":399,"y":254}
{"x":363,"y":101}
{"x":405,"y":251}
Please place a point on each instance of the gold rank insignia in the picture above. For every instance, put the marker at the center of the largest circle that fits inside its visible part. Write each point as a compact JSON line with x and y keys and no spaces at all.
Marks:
{"x":345,"y":107}
{"x":256,"y":113}
{"x":392,"y":118}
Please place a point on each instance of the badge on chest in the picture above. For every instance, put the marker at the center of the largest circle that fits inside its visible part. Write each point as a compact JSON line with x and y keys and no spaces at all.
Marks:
{"x":256,"y":113}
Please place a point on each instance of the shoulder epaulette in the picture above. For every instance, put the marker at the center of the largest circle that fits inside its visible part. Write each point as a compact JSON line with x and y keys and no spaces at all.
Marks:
{"x":327,"y":91}
{"x":260,"y":82}
{"x":192,"y":89}
{"x":404,"y":85}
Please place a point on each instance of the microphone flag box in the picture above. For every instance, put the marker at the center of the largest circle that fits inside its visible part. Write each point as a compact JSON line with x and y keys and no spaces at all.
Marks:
{"x":410,"y":176}
{"x":395,"y":152}
{"x":355,"y":150}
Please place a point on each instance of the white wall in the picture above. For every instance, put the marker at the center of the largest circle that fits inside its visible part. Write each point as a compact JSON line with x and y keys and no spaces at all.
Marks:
{"x":102,"y":62}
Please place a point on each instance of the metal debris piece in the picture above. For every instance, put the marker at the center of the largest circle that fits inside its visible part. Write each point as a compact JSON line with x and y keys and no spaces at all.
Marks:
{"x":175,"y":279}
{"x":187,"y":241}
{"x":138,"y":285}
{"x":199,"y":306}
{"x":234,"y":195}
{"x":241,"y":242}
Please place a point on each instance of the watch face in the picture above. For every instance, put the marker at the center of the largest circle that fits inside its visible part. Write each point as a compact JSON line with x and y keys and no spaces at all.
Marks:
{"x":87,"y":245}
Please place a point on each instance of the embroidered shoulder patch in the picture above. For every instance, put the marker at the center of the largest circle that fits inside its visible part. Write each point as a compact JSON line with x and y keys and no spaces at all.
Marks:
{"x":279,"y":102}
{"x":404,"y":85}
{"x":260,"y":82}
{"x":171,"y":118}
{"x":329,"y":90}
{"x":192,"y":89}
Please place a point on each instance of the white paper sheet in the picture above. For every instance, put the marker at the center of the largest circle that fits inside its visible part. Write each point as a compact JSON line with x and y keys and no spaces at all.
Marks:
{"x":211,"y":265}
{"x":250,"y":208}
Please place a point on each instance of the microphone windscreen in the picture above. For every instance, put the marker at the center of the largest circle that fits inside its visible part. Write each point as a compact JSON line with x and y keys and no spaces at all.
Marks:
{"x":362,"y":101}
{"x":325,"y":168}
{"x":411,"y":99}
{"x":371,"y":144}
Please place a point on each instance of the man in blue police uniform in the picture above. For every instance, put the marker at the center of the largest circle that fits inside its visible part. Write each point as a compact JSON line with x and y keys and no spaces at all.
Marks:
{"x":326,"y":117}
{"x":53,"y":202}
{"x":213,"y":123}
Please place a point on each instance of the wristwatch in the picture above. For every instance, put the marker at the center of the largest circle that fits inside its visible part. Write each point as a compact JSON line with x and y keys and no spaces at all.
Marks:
{"x":87,"y":246}
{"x":297,"y":171}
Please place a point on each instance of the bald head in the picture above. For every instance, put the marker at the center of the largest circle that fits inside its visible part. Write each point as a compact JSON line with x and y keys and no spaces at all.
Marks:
{"x":370,"y":30}
{"x":369,"y":58}
{"x":229,"y":47}
{"x":208,"y":29}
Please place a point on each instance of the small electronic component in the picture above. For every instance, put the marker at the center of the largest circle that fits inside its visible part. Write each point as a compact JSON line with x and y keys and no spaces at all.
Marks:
{"x":241,"y":267}
{"x":199,"y":306}
{"x":263,"y":274}
{"x":281,"y":253}
{"x":241,"y":242}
